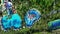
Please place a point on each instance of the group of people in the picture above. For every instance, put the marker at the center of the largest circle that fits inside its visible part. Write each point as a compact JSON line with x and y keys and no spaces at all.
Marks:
{"x":9,"y":7}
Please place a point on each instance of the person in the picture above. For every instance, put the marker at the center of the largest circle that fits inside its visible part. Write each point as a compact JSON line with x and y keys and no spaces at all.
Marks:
{"x":13,"y":9}
{"x":0,"y":13}
{"x":0,"y":16}
{"x":8,"y":6}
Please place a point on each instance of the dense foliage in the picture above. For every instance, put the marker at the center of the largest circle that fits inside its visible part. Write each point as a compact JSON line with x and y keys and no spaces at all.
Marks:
{"x":44,"y":6}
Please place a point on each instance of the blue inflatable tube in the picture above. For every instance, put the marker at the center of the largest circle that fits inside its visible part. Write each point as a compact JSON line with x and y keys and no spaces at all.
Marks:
{"x":54,"y":24}
{"x":6,"y":22}
{"x":17,"y":22}
{"x":32,"y":16}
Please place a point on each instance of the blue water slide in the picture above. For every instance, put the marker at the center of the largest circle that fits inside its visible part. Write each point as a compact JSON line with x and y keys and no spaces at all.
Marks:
{"x":14,"y":21}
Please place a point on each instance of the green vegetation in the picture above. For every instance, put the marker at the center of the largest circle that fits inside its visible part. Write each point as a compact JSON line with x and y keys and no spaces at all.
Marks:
{"x":44,"y":6}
